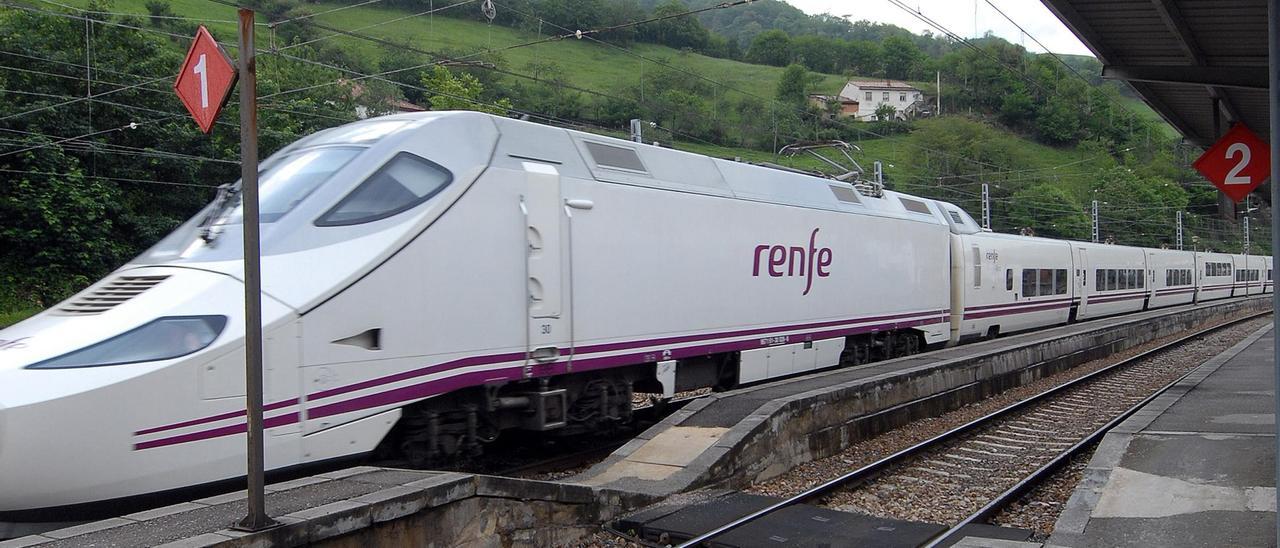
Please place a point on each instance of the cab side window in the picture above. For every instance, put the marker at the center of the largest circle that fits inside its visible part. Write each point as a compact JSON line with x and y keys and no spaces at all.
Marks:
{"x":398,"y":186}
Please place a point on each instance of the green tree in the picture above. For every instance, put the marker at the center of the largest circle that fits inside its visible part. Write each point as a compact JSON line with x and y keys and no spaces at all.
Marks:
{"x":771,"y":47}
{"x":459,"y":92}
{"x":573,"y":14}
{"x":1139,"y":206}
{"x":57,"y":229}
{"x":1058,"y":122}
{"x":1018,"y":108}
{"x":817,"y":53}
{"x":886,"y":112}
{"x":793,"y":85}
{"x":1050,"y":211}
{"x":902,"y":58}
{"x":677,"y":32}
{"x":862,"y":58}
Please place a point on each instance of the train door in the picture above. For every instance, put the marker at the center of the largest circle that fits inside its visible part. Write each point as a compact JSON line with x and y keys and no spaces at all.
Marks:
{"x":281,"y":376}
{"x":1082,"y":281}
{"x":549,"y":336}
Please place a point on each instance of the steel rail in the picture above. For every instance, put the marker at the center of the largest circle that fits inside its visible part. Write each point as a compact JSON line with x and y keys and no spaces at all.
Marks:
{"x":861,"y":475}
{"x":1032,"y":480}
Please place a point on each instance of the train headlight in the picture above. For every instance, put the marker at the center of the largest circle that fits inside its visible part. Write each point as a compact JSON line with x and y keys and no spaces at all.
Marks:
{"x":160,"y":339}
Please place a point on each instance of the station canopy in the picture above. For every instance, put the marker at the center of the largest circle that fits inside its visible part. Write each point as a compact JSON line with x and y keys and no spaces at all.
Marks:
{"x":1181,"y":55}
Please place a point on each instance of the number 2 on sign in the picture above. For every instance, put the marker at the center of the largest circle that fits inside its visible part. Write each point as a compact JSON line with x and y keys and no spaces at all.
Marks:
{"x":202,"y":69}
{"x":1233,"y":176}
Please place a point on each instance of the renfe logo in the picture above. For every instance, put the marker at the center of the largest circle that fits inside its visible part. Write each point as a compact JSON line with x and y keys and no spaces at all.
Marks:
{"x":798,"y":261}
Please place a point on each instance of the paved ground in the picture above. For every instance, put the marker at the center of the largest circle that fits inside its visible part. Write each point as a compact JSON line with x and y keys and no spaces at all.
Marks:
{"x":1195,"y":468}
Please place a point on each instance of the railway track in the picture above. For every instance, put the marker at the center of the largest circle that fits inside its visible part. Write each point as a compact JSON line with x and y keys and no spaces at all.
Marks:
{"x":968,"y":473}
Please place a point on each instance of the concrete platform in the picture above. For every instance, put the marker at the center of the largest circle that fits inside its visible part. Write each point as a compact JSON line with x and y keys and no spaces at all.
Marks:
{"x":366,"y":506}
{"x":800,"y":525}
{"x":733,"y":439}
{"x":1196,"y":467}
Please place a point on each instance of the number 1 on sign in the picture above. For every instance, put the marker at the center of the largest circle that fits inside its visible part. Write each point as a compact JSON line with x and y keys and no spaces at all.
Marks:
{"x":201,"y":69}
{"x":1233,"y":176}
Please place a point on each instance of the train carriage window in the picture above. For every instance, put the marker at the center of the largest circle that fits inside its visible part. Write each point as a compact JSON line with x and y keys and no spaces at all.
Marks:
{"x":1046,"y":282}
{"x":1101,"y":281}
{"x":398,"y":186}
{"x":1028,"y":282}
{"x":1112,"y":277}
{"x":1060,"y":281}
{"x":1008,"y":279}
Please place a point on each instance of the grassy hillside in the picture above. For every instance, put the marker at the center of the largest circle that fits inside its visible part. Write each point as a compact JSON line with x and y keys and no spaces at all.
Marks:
{"x":1144,"y":111}
{"x":585,"y":63}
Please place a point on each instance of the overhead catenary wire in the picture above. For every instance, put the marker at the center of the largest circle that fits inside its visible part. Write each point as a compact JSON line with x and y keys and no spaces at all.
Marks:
{"x":116,"y":179}
{"x":586,"y":90}
{"x":130,"y":125}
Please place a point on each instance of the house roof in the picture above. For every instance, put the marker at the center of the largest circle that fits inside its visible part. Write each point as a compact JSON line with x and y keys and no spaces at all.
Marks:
{"x":892,"y":85}
{"x":840,"y":98}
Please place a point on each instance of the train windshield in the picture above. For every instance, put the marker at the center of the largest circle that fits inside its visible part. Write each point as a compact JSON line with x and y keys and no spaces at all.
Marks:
{"x":285,"y":182}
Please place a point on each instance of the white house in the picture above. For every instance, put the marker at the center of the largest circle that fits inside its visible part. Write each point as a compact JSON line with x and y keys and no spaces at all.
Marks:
{"x":906,"y":100}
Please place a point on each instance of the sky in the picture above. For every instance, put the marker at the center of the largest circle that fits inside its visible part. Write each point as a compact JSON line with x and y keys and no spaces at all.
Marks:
{"x":958,"y":16}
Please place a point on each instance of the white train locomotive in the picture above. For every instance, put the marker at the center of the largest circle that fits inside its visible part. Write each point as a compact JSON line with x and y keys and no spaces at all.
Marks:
{"x":430,"y":280}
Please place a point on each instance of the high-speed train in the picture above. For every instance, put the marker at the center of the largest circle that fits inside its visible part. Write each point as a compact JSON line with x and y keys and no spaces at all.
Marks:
{"x":431,"y":280}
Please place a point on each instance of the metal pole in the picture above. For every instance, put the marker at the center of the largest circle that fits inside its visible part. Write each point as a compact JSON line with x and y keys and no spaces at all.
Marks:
{"x":1095,"y":221}
{"x":257,"y":518}
{"x":1179,"y":231}
{"x":939,"y":98}
{"x":1273,"y":88}
{"x":1246,"y":234}
{"x":986,"y":207}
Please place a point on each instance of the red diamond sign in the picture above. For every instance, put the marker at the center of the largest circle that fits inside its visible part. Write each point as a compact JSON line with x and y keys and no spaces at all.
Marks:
{"x":1237,"y":163}
{"x":206,"y":79}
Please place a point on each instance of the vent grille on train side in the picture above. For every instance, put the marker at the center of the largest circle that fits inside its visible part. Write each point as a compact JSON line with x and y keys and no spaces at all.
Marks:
{"x":109,"y":296}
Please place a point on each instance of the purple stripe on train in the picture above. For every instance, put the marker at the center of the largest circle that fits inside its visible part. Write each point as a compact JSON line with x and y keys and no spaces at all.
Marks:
{"x":515,"y":373}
